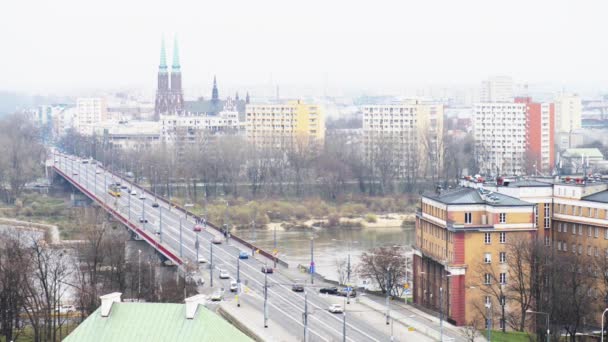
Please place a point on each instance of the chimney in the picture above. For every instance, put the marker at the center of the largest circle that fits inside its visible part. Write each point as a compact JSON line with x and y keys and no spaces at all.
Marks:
{"x":106,"y":302}
{"x":192,"y":304}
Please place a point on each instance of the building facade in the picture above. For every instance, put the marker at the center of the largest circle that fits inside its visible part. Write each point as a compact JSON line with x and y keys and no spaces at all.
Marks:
{"x":283,"y":125}
{"x":496,"y":89}
{"x":89,"y":112}
{"x":411,"y":131}
{"x":568,"y":110}
{"x":540,"y":133}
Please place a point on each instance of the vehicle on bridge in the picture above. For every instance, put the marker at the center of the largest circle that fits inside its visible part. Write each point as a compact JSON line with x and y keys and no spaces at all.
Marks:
{"x":155,"y":205}
{"x":352,"y":293}
{"x":336,"y":308}
{"x":243,"y":255}
{"x":297,"y":287}
{"x":216,"y":240}
{"x":266,"y":269}
{"x":233,"y":286}
{"x":114,"y":190}
{"x":198,"y":228}
{"x":224,"y":274}
{"x":202,"y":260}
{"x":217,"y":296}
{"x":143,"y":220}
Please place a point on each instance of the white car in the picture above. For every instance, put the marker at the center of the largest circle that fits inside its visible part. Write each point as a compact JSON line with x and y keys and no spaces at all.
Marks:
{"x":217,"y":296}
{"x":157,"y":231}
{"x":142,"y":197}
{"x":202,"y":260}
{"x":133,"y":192}
{"x":233,"y":286}
{"x":224,"y":274}
{"x":336,"y":308}
{"x":98,"y":172}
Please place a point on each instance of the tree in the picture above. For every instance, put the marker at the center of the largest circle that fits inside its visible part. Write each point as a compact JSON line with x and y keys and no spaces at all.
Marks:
{"x":386,"y":266}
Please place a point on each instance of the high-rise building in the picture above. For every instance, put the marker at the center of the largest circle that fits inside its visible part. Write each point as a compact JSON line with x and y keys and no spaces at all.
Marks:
{"x":496,"y":89}
{"x":89,"y":112}
{"x":282,"y":125}
{"x":568,"y":109}
{"x":410,"y":132}
{"x":169,"y":96}
{"x":500,"y":130}
{"x":540,"y":155}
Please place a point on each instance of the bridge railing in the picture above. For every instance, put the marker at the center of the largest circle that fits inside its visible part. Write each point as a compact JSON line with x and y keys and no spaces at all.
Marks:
{"x":210,"y":224}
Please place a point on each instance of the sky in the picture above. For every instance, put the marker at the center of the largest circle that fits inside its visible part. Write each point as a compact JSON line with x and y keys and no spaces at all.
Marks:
{"x":76,"y":45}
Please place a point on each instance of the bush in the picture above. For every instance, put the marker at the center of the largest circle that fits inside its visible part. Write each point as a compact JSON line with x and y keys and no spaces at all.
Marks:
{"x":371,"y":218}
{"x":351,"y":210}
{"x":333,"y":220}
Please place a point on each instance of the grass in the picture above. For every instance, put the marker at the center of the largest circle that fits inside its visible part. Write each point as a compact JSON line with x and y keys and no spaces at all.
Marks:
{"x":509,"y":336}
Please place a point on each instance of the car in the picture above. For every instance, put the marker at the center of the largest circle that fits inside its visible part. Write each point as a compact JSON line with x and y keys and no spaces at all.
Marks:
{"x":352,"y":293}
{"x":329,"y":290}
{"x":75,"y":174}
{"x":124,"y":187}
{"x":224,"y":274}
{"x":297,"y":287}
{"x":117,"y":183}
{"x":64,"y":309}
{"x":133,"y":192}
{"x":157,"y":230}
{"x":98,"y":172}
{"x":216,"y":240}
{"x":197,"y":228}
{"x":266,"y":269}
{"x":85,"y":161}
{"x":336,"y":308}
{"x":243,"y":255}
{"x":233,"y":286}
{"x":155,"y":205}
{"x":202,"y":260}
{"x":217,"y":296}
{"x":143,"y":220}
{"x":142,"y":197}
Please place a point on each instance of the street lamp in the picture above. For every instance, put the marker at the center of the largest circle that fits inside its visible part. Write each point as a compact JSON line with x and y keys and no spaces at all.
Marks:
{"x":138,"y":273}
{"x":349,"y":244}
{"x":547,"y":314}
{"x":602,"y":340}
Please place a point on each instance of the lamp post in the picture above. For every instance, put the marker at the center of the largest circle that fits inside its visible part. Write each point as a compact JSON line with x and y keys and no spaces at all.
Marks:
{"x":549,"y":331}
{"x":603,"y":313}
{"x":348,"y":268}
{"x":138,"y":273}
{"x":489,"y":320}
{"x":312,"y":259}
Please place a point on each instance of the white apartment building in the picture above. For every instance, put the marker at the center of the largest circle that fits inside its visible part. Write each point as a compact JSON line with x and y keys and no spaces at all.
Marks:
{"x":496,"y":89}
{"x":568,"y":109}
{"x":500,"y":137}
{"x":411,"y":130}
{"x":179,"y":128}
{"x":90,"y":112}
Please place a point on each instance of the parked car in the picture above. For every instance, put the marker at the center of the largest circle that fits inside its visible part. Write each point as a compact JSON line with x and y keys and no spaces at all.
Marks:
{"x":266,"y":269}
{"x":352,"y":293}
{"x":224,"y":274}
{"x":155,"y":205}
{"x":233,"y":286}
{"x":217,"y":296}
{"x":143,"y":220}
{"x":202,"y":260}
{"x":198,"y":228}
{"x":216,"y":240}
{"x":243,"y":255}
{"x":329,"y":290}
{"x":85,"y":161}
{"x":297,"y":287}
{"x":336,"y":308}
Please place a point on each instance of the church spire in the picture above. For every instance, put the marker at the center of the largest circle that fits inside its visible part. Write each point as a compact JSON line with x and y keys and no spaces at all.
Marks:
{"x":163,"y":56}
{"x":214,"y":93}
{"x":175,"y":66}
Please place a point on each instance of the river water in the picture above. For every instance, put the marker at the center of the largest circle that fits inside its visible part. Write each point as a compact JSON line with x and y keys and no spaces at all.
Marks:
{"x":330,"y":245}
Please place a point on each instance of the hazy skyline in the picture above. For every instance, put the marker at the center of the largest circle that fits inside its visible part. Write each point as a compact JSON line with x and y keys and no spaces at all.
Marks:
{"x":69,"y":45}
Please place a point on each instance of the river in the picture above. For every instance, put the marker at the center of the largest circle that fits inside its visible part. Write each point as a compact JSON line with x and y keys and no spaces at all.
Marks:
{"x":330,"y":245}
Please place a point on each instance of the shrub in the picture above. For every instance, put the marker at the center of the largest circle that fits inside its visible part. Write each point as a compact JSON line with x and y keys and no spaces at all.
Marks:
{"x":371,"y":218}
{"x":333,"y":220}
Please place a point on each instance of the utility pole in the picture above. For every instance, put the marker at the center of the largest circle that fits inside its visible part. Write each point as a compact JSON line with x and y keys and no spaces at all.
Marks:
{"x":196,"y":244}
{"x":265,"y":298}
{"x":275,"y":246}
{"x":305,"y":317}
{"x":489,"y":320}
{"x":211,"y":264}
{"x":312,"y":260}
{"x":238,"y":281}
{"x":344,"y":327}
{"x":138,"y":273}
{"x":180,"y":238}
{"x":143,"y":213}
{"x":129,"y":205}
{"x":348,"y":270}
{"x":388,"y":290}
{"x":161,"y":224}
{"x":441,"y":314}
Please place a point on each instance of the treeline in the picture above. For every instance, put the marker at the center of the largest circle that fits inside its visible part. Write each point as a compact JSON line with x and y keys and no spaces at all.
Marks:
{"x":228,"y":165}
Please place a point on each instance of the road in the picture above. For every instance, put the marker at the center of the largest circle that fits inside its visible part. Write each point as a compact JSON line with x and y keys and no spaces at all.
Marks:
{"x":284,"y":305}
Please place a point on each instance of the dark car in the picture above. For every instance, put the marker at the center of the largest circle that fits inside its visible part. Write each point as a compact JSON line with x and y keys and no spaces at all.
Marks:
{"x":155,"y":205}
{"x":266,"y":269}
{"x":143,"y":220}
{"x":351,"y":294}
{"x":329,"y":290}
{"x":124,"y":187}
{"x":243,"y":255}
{"x":297,"y":288}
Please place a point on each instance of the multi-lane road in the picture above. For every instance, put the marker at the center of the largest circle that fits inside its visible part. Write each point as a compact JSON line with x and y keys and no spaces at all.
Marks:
{"x":285,"y":307}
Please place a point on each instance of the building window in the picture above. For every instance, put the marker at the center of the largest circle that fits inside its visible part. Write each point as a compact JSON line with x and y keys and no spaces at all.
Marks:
{"x":589,"y":231}
{"x":589,"y":250}
{"x":559,"y":245}
{"x":487,"y":258}
{"x":503,"y":237}
{"x":573,"y":229}
{"x":503,"y":257}
{"x":559,"y":227}
{"x":468,"y":218}
{"x":547,"y":210}
{"x":547,"y":222}
{"x":565,"y":227}
{"x":488,"y":300}
{"x":580,"y":249}
{"x":487,"y":279}
{"x":487,"y":238}
{"x":565,"y":247}
{"x":596,"y":234}
{"x":574,"y":248}
{"x":580,"y":229}
{"x":547,"y":241}
{"x":502,"y":217}
{"x":503,"y":278}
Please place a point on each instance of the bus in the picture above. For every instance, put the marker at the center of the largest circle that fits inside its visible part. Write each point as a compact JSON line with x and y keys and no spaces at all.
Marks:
{"x":114,"y":190}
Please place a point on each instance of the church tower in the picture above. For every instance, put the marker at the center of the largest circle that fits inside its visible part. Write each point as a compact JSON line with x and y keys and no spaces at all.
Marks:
{"x":177,"y":95}
{"x":162,"y":91}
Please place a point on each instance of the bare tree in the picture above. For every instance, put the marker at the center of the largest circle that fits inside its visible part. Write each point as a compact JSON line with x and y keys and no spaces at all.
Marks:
{"x":386,"y":266}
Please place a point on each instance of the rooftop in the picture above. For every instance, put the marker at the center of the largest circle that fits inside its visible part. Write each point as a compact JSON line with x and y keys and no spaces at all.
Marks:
{"x":601,"y":196}
{"x":466,"y":195}
{"x":525,"y":183}
{"x":578,"y":152}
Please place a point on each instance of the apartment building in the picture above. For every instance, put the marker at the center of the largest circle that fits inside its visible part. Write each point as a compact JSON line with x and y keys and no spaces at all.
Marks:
{"x":496,"y":89}
{"x":540,"y":133}
{"x":568,"y":109}
{"x":500,"y":131}
{"x":457,"y":232}
{"x":282,"y":125}
{"x":411,"y":131}
{"x":89,"y":112}
{"x":183,"y":129}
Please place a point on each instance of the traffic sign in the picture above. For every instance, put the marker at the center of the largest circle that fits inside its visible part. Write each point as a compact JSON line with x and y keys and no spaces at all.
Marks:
{"x":406,"y":286}
{"x":312,"y":267}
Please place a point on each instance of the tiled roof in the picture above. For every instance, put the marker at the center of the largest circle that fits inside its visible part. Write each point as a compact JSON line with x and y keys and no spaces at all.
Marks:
{"x":528,"y":183}
{"x":465,"y":195}
{"x":601,"y":196}
{"x":155,"y":322}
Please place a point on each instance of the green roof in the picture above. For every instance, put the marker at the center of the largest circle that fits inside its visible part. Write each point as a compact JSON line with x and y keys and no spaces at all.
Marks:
{"x":588,"y":152}
{"x":155,"y":322}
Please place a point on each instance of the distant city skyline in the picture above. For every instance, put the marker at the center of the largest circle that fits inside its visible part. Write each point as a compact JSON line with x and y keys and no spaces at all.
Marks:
{"x":70,"y":47}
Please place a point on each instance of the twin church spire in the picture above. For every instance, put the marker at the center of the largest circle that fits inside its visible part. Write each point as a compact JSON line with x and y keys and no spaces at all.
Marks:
{"x":169,"y":96}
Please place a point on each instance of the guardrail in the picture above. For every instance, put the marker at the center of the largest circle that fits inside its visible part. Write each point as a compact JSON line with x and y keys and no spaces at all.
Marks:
{"x":162,"y":249}
{"x":210,"y":224}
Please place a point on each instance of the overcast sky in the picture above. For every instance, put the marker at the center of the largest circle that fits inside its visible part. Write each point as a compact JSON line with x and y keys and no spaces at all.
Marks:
{"x":64,"y":45}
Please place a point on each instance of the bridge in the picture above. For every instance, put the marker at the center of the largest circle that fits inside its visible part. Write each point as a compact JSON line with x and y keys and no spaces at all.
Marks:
{"x":170,"y":230}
